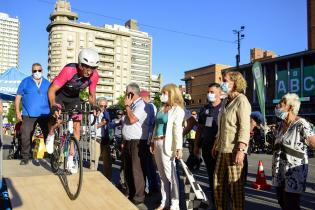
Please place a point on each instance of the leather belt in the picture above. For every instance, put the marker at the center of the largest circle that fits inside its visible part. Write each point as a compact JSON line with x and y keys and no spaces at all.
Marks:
{"x":158,"y":138}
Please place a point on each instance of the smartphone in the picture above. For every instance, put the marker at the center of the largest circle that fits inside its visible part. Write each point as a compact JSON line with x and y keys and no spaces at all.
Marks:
{"x":130,"y":95}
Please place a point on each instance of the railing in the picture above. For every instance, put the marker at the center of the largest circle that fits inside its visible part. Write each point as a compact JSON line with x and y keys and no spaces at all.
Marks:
{"x":85,"y":139}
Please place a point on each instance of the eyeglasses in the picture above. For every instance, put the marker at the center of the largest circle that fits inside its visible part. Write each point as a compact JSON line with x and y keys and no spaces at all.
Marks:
{"x":35,"y":70}
{"x":103,"y":106}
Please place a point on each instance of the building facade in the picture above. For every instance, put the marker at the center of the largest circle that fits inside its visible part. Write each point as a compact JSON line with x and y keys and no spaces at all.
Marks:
{"x":9,"y":42}
{"x":155,"y":84}
{"x":311,"y":23}
{"x":197,"y":81}
{"x":294,"y":73}
{"x":125,"y":52}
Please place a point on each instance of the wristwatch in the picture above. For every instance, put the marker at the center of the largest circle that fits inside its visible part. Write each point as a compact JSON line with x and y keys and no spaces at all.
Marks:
{"x":241,"y":149}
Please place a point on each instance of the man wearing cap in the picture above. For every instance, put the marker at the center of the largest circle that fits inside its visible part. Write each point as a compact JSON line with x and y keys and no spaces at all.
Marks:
{"x":149,"y":169}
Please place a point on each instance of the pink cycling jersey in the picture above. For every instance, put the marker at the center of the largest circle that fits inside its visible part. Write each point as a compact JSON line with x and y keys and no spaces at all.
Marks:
{"x":68,"y":73}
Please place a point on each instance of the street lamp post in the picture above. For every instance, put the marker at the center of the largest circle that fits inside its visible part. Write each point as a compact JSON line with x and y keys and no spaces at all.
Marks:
{"x":240,"y":36}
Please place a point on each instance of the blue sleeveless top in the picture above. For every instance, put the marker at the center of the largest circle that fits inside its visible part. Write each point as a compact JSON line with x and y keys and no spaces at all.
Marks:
{"x":161,"y":122}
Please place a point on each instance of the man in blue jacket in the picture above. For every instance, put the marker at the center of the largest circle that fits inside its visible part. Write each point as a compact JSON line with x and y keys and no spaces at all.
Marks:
{"x":35,"y":108}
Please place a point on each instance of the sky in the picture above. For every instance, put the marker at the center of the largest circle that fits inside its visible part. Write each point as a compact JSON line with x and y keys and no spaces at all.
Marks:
{"x":186,"y":34}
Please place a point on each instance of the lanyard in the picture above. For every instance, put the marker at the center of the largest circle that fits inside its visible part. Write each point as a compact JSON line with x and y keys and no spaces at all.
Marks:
{"x":38,"y":84}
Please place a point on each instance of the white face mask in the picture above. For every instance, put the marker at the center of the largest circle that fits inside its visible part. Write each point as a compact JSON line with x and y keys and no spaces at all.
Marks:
{"x":211,"y":97}
{"x":37,"y":75}
{"x":225,"y":87}
{"x":164,"y":98}
{"x":281,"y":114}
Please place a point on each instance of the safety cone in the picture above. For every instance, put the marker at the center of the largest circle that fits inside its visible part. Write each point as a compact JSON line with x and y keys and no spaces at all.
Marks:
{"x":261,"y":181}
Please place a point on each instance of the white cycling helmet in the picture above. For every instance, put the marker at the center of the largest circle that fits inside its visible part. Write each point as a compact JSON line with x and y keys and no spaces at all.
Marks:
{"x":89,"y":57}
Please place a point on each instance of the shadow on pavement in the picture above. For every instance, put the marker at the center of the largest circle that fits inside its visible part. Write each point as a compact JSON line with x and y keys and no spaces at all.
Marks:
{"x":15,"y":198}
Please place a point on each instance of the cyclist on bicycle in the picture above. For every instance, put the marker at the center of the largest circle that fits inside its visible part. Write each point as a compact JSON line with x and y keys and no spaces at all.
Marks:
{"x":65,"y":89}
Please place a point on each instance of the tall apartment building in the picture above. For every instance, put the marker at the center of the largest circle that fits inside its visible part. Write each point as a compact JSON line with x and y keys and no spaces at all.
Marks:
{"x":155,"y":84}
{"x":9,"y":42}
{"x":125,"y":52}
{"x":311,"y":23}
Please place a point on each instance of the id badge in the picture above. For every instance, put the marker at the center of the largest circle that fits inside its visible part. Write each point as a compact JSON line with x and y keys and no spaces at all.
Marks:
{"x":209,"y":121}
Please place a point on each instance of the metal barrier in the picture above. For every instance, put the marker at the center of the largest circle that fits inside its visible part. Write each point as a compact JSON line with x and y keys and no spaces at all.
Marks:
{"x":85,"y":134}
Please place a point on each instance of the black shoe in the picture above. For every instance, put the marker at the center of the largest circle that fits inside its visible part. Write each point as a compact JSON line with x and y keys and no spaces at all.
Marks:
{"x":24,"y":162}
{"x":136,"y":202}
{"x":36,"y":162}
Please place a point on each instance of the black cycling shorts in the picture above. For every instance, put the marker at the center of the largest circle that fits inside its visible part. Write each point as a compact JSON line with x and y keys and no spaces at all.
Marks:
{"x":67,"y":102}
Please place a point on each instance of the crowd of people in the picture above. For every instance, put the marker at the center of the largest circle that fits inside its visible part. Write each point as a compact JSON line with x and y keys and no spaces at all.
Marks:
{"x":151,"y":138}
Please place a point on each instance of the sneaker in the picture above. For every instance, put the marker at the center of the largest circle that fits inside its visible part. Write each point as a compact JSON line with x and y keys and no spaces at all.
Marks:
{"x":50,"y":144}
{"x":71,"y":166}
{"x":173,"y":207}
{"x":24,"y":162}
{"x":36,"y":162}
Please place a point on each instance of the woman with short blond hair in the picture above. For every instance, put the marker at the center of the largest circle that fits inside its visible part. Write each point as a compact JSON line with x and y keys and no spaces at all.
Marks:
{"x":231,"y":143}
{"x":167,"y":143}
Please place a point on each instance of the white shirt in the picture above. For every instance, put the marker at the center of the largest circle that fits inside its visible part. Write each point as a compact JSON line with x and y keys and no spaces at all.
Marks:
{"x":138,"y":130}
{"x":97,"y":132}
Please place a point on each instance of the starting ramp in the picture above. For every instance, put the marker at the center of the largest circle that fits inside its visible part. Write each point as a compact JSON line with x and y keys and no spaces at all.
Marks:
{"x":33,"y":187}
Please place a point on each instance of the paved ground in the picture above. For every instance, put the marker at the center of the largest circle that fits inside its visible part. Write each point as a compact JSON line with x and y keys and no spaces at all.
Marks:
{"x":254,"y":199}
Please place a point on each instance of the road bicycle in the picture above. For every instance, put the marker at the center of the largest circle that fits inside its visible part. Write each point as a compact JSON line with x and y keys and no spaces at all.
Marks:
{"x":64,"y":138}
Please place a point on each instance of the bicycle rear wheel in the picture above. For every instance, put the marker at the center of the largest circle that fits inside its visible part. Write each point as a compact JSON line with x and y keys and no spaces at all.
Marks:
{"x":73,"y":180}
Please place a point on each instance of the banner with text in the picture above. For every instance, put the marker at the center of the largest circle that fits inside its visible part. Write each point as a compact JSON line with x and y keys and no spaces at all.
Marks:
{"x":304,"y":85}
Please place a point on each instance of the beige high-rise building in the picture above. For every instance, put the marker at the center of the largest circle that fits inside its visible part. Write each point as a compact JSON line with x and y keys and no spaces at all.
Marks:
{"x":125,"y":52}
{"x":155,"y":84}
{"x":9,"y":42}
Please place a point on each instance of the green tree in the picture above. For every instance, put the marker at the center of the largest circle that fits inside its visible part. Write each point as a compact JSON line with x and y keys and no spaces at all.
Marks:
{"x":156,"y":100}
{"x":11,"y":114}
{"x":120,"y":104}
{"x":84,"y":95}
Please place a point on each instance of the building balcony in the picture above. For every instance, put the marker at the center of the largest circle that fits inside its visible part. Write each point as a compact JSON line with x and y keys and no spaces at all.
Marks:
{"x":110,"y":60}
{"x":104,"y":37}
{"x":99,"y":90}
{"x":106,"y":82}
{"x":106,"y":68}
{"x":104,"y":44}
{"x":104,"y":74}
{"x":106,"y":52}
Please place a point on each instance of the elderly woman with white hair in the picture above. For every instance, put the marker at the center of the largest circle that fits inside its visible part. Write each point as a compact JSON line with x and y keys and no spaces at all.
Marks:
{"x":290,"y":159}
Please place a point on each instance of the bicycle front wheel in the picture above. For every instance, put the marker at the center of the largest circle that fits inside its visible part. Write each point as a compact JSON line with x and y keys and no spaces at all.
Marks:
{"x":73,"y":168}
